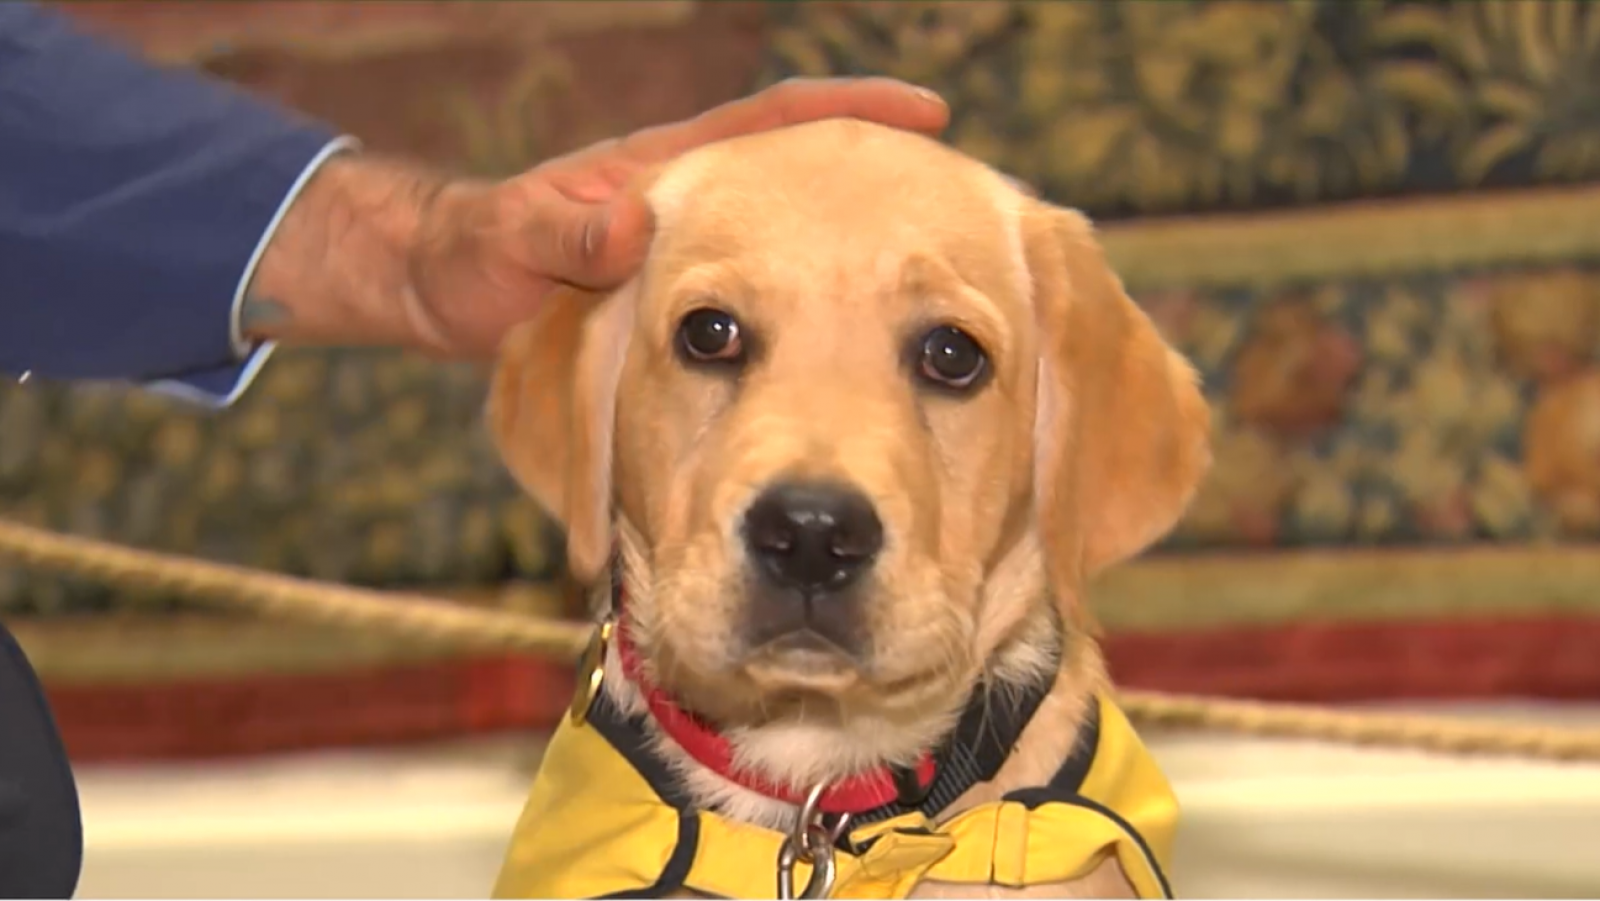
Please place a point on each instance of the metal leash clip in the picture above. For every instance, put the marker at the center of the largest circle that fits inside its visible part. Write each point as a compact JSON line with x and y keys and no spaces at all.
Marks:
{"x":810,"y":841}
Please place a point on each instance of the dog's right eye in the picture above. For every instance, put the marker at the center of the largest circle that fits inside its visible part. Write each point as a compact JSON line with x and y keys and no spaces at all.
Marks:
{"x":951,"y":359}
{"x":710,"y":336}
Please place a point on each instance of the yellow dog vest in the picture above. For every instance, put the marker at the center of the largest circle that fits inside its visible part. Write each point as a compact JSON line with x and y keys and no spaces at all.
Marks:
{"x":596,"y":825}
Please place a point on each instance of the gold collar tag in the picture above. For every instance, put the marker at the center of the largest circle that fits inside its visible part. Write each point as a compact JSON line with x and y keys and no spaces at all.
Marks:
{"x":591,"y":672}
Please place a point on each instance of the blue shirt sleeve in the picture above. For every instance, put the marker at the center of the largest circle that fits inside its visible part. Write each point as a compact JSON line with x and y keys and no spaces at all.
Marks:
{"x":134,"y":202}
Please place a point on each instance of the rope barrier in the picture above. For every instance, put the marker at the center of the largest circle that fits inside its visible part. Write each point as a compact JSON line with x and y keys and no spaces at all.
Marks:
{"x":288,"y":597}
{"x":444,"y":622}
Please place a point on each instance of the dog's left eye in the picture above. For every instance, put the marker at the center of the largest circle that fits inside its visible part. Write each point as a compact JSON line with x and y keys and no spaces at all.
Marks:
{"x":710,"y":336}
{"x":951,"y":358}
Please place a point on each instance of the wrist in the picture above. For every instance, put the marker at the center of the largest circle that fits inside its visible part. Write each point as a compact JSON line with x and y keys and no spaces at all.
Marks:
{"x":338,"y":270}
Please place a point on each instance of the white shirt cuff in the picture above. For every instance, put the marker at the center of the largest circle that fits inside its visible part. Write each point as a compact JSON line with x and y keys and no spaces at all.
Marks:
{"x":241,"y":347}
{"x":219,"y":389}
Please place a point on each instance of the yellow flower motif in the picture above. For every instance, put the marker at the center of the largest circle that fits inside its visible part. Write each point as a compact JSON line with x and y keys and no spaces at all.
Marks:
{"x":1463,"y":404}
{"x":1502,"y":500}
{"x":1214,"y":333}
{"x":1392,"y":327}
{"x":1242,"y":498}
{"x":1424,"y":469}
{"x":1377,"y":517}
{"x":1323,"y":505}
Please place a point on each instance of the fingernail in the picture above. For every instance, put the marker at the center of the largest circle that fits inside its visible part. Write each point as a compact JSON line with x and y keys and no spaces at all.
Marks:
{"x":594,"y":233}
{"x":1021,"y":186}
{"x":929,"y":95}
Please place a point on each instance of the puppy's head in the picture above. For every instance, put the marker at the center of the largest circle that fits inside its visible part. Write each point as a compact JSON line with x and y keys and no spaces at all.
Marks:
{"x":861,"y":389}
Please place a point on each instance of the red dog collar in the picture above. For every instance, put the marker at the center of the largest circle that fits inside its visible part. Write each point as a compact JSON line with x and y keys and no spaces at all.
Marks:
{"x":858,"y":794}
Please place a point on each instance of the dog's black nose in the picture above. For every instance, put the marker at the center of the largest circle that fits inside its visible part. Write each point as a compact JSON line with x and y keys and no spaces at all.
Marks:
{"x":813,"y":537}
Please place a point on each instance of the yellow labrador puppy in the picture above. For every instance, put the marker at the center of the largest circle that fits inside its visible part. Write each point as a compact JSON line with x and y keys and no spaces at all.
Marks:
{"x":841,"y":461}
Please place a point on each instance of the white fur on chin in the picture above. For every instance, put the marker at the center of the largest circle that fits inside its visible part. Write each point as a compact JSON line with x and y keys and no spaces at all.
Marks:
{"x":801,"y":753}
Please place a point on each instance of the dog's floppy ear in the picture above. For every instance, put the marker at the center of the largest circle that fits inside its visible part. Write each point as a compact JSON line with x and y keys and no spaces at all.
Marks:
{"x":552,"y":408}
{"x":1121,"y":438}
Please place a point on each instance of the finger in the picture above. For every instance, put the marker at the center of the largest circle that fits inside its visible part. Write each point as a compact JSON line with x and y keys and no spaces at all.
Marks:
{"x":592,"y":174}
{"x":591,"y":245}
{"x":882,"y":100}
{"x":623,"y":242}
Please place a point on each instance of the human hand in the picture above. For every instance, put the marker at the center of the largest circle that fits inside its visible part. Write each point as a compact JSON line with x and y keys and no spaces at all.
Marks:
{"x":489,"y":253}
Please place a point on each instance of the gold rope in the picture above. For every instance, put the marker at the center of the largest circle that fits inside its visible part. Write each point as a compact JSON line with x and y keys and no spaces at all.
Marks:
{"x":443,"y":622}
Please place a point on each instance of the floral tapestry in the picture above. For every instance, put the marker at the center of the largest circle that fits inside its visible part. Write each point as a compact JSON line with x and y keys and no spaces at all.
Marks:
{"x":1374,"y":226}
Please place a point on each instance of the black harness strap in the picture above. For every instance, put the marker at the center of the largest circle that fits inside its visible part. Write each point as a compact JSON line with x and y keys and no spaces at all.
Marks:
{"x":973,"y":752}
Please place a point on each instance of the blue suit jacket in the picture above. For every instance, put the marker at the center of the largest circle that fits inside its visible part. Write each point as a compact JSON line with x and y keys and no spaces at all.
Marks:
{"x":133,"y":201}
